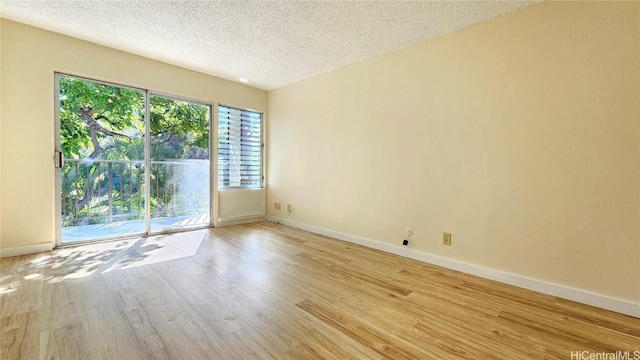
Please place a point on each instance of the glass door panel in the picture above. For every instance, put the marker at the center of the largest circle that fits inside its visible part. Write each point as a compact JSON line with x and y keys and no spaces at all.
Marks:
{"x":123,"y":174}
{"x":180,"y":164}
{"x":102,"y":140}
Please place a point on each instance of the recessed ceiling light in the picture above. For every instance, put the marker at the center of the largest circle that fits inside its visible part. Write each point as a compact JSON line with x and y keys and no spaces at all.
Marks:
{"x":243,"y":80}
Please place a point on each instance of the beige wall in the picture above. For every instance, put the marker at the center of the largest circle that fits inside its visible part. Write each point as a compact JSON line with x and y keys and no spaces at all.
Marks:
{"x":28,"y":60}
{"x":521,"y":136}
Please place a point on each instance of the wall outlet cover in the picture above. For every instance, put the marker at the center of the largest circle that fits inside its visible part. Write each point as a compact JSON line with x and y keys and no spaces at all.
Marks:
{"x":446,"y":239}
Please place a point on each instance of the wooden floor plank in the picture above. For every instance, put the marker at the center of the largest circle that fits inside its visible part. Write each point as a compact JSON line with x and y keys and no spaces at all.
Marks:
{"x":20,"y":336}
{"x":21,"y":283}
{"x":250,"y":344}
{"x":382,"y":342}
{"x":68,"y":342}
{"x":267,"y":291}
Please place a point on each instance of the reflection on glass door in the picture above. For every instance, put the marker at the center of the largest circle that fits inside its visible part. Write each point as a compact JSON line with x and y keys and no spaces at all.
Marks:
{"x":180,"y":166}
{"x":111,"y":154}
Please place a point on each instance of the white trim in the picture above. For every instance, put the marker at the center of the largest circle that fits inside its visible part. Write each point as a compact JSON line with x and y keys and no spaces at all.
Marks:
{"x":238,"y":220}
{"x":147,"y":164}
{"x":26,"y":249}
{"x":582,"y":296}
{"x":240,"y":217}
{"x":57,"y":172}
{"x":213,"y":156}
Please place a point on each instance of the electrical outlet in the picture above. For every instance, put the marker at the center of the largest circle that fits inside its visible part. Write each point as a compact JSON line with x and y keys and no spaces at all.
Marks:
{"x":279,"y":206}
{"x":289,"y":208}
{"x":446,"y":239}
{"x":275,"y":205}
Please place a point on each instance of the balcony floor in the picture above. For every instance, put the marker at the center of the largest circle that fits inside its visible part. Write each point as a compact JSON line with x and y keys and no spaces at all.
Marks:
{"x":133,"y":227}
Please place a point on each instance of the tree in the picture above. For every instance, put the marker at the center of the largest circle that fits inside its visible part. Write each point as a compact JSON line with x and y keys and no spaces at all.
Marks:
{"x":90,"y":112}
{"x":184,"y":126}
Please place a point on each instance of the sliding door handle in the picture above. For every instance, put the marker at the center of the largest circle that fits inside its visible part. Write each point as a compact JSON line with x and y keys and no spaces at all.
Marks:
{"x":58,"y":159}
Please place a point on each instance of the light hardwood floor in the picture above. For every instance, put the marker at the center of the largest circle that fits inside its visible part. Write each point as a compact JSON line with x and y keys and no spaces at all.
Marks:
{"x":272,"y":292}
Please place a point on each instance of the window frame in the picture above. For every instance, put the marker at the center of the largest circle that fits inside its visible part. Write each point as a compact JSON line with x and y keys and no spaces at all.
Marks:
{"x":262,"y":148}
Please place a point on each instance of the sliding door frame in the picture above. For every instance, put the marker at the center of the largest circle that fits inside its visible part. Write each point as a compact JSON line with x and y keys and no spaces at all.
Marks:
{"x":211,"y":157}
{"x":147,"y":152}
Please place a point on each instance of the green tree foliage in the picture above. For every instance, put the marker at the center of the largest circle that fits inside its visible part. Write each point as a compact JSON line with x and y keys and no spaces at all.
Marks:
{"x":85,"y":103}
{"x":94,"y":116}
{"x":181,"y":126}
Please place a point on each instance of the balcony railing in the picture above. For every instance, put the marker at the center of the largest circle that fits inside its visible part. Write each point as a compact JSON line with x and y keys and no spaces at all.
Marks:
{"x":105,"y":191}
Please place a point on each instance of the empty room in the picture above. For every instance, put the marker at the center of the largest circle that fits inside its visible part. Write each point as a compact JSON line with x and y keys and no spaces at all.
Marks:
{"x":319,"y":180}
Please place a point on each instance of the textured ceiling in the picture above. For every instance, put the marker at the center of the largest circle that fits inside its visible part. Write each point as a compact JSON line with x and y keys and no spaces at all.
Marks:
{"x":270,"y":43}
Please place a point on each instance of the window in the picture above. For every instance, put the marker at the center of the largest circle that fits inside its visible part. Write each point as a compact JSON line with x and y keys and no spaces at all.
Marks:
{"x":239,"y":148}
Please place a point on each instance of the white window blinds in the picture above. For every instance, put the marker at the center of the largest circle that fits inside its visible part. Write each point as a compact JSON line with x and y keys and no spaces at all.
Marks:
{"x":239,"y":148}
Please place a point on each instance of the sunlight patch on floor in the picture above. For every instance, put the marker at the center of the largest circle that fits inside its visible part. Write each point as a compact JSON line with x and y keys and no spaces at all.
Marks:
{"x":84,"y":260}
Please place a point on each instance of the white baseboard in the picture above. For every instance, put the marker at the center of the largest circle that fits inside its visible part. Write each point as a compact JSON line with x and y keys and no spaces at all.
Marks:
{"x":237,"y":220}
{"x":565,"y":292}
{"x":26,"y":250}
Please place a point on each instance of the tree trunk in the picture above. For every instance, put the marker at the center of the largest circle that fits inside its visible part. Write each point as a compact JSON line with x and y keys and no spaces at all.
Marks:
{"x":94,"y":128}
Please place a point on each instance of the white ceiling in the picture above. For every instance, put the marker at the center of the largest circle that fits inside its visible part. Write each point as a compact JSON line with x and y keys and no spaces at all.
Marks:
{"x":270,"y":43}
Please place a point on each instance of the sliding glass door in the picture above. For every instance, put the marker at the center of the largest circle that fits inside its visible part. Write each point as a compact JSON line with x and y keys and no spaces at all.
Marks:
{"x":129,"y":162}
{"x":180,"y":164}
